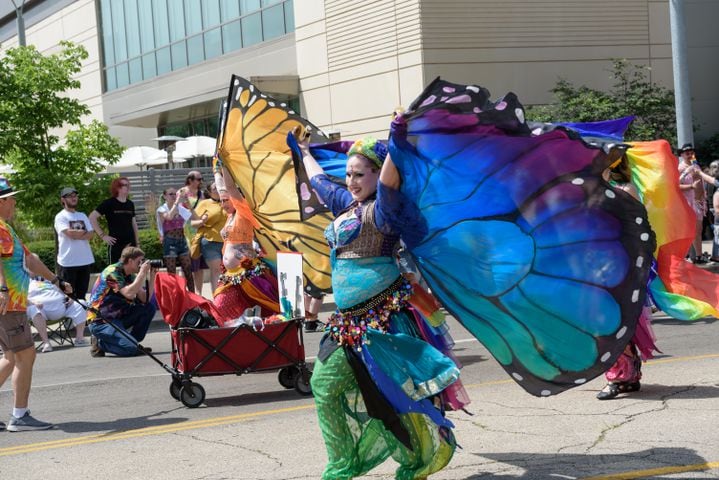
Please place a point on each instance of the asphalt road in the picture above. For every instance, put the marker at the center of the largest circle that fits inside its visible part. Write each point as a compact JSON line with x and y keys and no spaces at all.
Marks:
{"x":116,"y":420}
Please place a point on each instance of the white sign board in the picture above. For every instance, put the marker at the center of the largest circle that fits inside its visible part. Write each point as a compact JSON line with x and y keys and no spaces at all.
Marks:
{"x":289,"y":279}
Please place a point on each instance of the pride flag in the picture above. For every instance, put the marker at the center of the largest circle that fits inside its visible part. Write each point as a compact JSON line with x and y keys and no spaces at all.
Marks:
{"x":680,"y":288}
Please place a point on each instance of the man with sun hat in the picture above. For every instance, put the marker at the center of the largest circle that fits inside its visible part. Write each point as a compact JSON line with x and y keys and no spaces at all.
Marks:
{"x":17,"y":264}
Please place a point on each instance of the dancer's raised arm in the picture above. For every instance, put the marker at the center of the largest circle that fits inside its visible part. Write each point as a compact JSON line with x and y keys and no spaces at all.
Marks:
{"x":303,"y":140}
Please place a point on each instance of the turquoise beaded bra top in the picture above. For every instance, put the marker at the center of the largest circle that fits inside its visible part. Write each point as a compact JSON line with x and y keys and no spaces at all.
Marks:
{"x":361,"y":256}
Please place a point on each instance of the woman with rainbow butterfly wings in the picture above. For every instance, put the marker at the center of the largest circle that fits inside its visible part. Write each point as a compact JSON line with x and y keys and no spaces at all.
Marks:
{"x":518,"y":236}
{"x":625,"y":375}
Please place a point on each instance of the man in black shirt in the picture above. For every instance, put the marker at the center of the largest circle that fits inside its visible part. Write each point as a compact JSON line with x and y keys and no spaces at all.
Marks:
{"x":119,"y":211}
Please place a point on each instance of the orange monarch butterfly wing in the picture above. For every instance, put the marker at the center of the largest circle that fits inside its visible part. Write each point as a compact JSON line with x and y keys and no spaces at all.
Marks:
{"x":252,"y":143}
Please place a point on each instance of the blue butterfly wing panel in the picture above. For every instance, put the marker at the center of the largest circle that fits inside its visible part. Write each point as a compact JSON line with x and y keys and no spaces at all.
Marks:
{"x":525,"y":244}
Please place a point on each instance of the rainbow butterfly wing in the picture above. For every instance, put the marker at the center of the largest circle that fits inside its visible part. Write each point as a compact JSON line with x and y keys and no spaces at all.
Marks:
{"x":525,"y":244}
{"x":252,"y":144}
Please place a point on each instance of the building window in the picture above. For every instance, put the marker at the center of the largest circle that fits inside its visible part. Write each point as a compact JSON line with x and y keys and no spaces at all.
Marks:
{"x":208,"y":126}
{"x":142,"y":39}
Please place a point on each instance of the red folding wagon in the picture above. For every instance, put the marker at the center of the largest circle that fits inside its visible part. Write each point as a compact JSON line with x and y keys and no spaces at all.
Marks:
{"x":198,"y":352}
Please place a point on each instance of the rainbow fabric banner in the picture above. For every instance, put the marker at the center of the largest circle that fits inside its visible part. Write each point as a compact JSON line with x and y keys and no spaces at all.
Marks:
{"x":680,"y":288}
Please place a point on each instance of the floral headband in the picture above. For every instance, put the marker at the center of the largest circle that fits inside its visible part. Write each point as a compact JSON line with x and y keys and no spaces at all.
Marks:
{"x":370,"y":148}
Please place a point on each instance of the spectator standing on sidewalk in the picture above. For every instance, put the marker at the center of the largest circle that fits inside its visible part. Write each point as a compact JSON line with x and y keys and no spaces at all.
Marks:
{"x":121,"y":297}
{"x":714,"y":173}
{"x":191,"y":194}
{"x":172,"y":217}
{"x":15,"y":335}
{"x":119,"y":211}
{"x":74,"y":254}
{"x":210,"y":220}
{"x":691,"y":184}
{"x":712,"y":179}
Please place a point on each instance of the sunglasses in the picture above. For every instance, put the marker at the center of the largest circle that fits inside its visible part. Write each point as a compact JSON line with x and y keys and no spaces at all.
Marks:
{"x":171,"y":194}
{"x":123,"y":184}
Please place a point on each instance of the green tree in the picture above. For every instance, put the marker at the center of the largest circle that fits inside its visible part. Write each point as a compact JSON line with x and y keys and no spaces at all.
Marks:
{"x":34,"y":105}
{"x":708,"y":150}
{"x":631,"y":94}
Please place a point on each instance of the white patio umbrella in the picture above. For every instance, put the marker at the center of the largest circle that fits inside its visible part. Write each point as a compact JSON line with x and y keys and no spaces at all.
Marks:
{"x":161,"y":159}
{"x":197,"y":146}
{"x":168,"y":138}
{"x":136,"y":156}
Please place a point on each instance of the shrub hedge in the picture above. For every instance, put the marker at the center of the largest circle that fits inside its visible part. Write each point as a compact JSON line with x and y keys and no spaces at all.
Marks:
{"x":149,"y":243}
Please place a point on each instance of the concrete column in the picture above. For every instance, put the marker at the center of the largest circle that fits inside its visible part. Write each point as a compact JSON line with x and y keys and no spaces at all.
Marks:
{"x":682,"y":90}
{"x":20,"y":23}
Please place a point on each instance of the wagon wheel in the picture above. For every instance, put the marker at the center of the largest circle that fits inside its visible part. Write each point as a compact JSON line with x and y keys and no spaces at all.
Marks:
{"x":192,"y":395}
{"x":302,"y":383}
{"x":175,"y":388}
{"x":287,"y":375}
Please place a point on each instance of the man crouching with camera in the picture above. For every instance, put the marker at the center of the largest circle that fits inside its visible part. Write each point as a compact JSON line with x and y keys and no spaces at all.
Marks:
{"x":123,"y":296}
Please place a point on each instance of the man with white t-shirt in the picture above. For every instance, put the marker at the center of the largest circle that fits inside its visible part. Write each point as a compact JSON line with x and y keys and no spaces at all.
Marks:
{"x":74,"y":255}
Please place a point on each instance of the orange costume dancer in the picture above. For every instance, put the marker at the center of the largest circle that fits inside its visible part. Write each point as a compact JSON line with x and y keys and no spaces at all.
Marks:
{"x":247,"y":280}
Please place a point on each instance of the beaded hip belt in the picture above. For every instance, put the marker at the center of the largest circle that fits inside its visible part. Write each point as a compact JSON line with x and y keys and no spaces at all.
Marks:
{"x":348,"y":326}
{"x":249,"y":267}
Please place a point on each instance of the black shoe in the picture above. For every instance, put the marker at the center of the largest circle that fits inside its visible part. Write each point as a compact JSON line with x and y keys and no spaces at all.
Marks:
{"x":699,"y":261}
{"x":311,"y":326}
{"x":95,"y":350}
{"x":610,"y":391}
{"x":614,"y":389}
{"x":144,"y":350}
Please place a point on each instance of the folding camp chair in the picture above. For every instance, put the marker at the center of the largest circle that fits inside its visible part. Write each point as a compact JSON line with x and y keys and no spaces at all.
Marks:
{"x":58,"y":332}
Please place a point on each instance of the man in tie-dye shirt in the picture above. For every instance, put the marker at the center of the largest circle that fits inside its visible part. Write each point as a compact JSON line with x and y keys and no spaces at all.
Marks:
{"x":16,"y":265}
{"x":122,"y":305}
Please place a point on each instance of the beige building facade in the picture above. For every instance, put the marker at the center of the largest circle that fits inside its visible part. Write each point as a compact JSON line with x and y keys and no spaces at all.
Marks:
{"x":349,"y":63}
{"x":358,"y":60}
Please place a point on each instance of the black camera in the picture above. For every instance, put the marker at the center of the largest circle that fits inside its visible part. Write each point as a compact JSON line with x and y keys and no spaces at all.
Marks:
{"x":155,"y":263}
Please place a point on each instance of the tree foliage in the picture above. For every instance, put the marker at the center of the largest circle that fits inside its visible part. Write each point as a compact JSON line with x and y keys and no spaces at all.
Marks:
{"x":34,"y":106}
{"x":708,"y":150}
{"x":631,"y":94}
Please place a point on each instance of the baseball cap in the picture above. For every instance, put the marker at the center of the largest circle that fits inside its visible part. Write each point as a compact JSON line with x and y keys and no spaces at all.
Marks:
{"x":687,"y":147}
{"x":6,"y":189}
{"x":67,"y":191}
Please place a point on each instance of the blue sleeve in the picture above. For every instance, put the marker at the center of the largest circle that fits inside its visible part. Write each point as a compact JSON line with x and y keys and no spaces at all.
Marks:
{"x":335,"y":197}
{"x":396,"y":214}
